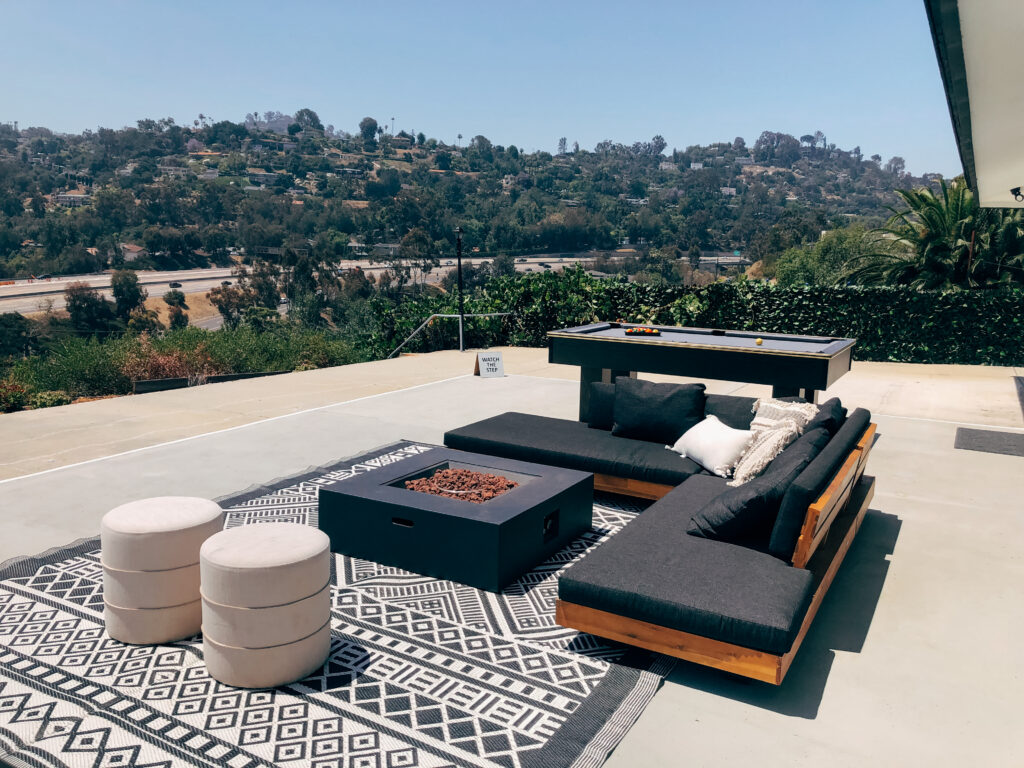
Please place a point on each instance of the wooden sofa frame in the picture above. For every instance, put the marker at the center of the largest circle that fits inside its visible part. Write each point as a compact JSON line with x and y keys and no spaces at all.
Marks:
{"x":839,"y":510}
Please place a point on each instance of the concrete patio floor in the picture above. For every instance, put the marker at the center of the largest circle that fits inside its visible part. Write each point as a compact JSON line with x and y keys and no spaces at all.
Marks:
{"x":913,"y":658}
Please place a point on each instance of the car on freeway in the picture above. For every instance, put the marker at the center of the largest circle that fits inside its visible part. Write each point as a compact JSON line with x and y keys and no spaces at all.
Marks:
{"x":449,"y":262}
{"x":175,"y":284}
{"x":528,"y":269}
{"x":43,"y":277}
{"x":521,"y":261}
{"x":225,"y":282}
{"x":544,"y":264}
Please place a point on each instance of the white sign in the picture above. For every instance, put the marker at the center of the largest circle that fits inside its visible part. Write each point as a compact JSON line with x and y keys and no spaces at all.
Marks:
{"x":489,"y":365}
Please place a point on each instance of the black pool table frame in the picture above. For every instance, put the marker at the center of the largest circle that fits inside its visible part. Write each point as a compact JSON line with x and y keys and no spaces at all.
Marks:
{"x":604,"y":358}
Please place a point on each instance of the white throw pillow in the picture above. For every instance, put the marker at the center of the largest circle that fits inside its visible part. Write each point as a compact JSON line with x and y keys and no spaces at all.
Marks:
{"x":713,"y":445}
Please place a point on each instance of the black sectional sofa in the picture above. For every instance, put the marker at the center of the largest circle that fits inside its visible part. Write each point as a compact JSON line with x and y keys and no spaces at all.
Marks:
{"x":730,"y":577}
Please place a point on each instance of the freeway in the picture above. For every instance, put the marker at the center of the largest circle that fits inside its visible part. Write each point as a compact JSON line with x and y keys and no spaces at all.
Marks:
{"x":28,"y":296}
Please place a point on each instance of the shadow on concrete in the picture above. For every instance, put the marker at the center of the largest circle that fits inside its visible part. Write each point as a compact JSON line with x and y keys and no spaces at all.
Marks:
{"x":842,"y":624}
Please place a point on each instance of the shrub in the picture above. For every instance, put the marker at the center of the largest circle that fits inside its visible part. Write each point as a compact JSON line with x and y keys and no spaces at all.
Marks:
{"x":80,"y":367}
{"x":48,"y":399}
{"x":149,"y":362}
{"x":12,"y":396}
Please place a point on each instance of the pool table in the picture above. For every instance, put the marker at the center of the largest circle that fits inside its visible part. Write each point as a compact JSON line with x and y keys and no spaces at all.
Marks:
{"x":792,"y":364}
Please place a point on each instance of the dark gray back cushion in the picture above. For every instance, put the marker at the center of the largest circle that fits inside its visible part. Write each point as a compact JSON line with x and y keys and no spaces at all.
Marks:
{"x":732,"y":410}
{"x":600,"y":411}
{"x":810,"y":484}
{"x":746,"y":513}
{"x":831,"y":415}
{"x":657,"y":412}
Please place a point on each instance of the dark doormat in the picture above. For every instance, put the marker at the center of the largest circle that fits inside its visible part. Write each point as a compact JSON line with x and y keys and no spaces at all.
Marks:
{"x":990,"y":441}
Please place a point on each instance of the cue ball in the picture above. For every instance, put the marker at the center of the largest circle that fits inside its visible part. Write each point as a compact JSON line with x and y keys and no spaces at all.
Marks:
{"x":759,"y":342}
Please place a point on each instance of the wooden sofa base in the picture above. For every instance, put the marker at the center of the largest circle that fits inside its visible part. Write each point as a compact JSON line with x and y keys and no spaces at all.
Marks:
{"x":758,"y":665}
{"x":640,"y":489}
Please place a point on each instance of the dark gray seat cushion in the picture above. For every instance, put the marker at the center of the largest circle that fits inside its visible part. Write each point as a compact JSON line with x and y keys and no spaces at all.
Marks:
{"x":654,"y":571}
{"x":811,"y":482}
{"x":655,"y":411}
{"x":732,"y":410}
{"x":745,"y":514}
{"x":573,"y":445}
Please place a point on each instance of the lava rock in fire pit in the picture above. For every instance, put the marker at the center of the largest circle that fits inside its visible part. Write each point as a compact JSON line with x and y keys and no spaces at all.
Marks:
{"x":463,"y":484}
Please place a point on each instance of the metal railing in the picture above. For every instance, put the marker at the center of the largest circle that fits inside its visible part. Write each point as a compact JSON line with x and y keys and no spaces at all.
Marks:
{"x":425,"y":323}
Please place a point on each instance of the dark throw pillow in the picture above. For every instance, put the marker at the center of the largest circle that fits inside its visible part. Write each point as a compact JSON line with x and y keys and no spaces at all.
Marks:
{"x":659,"y":413}
{"x":732,"y":410}
{"x":600,"y":411}
{"x":831,"y":416}
{"x":745,"y":514}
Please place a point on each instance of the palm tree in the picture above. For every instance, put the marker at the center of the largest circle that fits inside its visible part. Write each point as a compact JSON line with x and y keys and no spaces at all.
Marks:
{"x":943,"y":241}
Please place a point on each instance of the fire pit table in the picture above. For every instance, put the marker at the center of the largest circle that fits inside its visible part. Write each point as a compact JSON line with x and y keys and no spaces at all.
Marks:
{"x":485,"y":544}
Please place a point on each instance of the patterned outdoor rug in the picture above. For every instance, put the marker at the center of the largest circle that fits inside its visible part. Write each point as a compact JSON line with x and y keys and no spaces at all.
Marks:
{"x":421,"y":672}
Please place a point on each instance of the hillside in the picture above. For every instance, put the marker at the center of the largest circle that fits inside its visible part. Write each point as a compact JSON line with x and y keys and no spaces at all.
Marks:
{"x":163,"y":195}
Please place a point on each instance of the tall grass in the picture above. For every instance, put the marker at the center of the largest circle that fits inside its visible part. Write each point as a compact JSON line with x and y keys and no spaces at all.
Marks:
{"x":88,"y":367}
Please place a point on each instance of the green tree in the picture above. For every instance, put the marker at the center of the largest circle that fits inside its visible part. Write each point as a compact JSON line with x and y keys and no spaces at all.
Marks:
{"x":144,"y":320}
{"x":90,"y":313}
{"x":307,"y":119}
{"x":176,"y":318}
{"x":368,"y":129}
{"x":946,"y":240}
{"x":128,"y":294}
{"x":828,"y":262}
{"x":16,"y":338}
{"x":694,"y":255}
{"x":175,"y":298}
{"x":230,"y":301}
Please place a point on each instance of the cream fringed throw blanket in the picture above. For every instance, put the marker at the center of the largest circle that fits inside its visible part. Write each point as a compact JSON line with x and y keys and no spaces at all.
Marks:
{"x":776,"y":424}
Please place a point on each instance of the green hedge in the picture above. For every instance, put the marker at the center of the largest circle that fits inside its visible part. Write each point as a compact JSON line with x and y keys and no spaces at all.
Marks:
{"x":983,"y":327}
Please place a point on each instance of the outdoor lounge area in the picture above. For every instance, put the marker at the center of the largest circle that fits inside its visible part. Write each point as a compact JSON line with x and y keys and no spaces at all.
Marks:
{"x":912,"y":644}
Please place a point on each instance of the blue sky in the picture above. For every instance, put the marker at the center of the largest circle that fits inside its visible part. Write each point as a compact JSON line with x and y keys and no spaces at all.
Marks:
{"x":521,"y":73}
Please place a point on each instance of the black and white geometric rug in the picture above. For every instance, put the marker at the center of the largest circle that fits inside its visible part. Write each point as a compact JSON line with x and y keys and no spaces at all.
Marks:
{"x":422,"y":672}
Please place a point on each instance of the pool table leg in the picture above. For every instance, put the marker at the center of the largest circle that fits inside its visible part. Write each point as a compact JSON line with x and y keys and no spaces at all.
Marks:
{"x":810,"y":395}
{"x":589,"y":376}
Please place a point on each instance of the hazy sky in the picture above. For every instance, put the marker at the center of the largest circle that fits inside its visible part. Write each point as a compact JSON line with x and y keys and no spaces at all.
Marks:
{"x":521,"y":73}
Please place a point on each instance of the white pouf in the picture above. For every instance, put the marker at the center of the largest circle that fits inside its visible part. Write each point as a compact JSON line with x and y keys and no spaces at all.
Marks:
{"x":266,"y":603}
{"x":267,"y":667}
{"x":264,"y":627}
{"x":254,"y":566}
{"x":153,"y":626}
{"x":150,"y":558}
{"x":159,"y":533}
{"x":151,"y":589}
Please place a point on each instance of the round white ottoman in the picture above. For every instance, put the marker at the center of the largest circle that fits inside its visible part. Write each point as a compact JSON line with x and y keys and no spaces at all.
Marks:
{"x":266,"y":603}
{"x":150,"y":558}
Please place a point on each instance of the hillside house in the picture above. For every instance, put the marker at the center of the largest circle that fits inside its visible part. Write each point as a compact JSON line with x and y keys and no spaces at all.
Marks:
{"x":131,"y":252}
{"x":74,"y":199}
